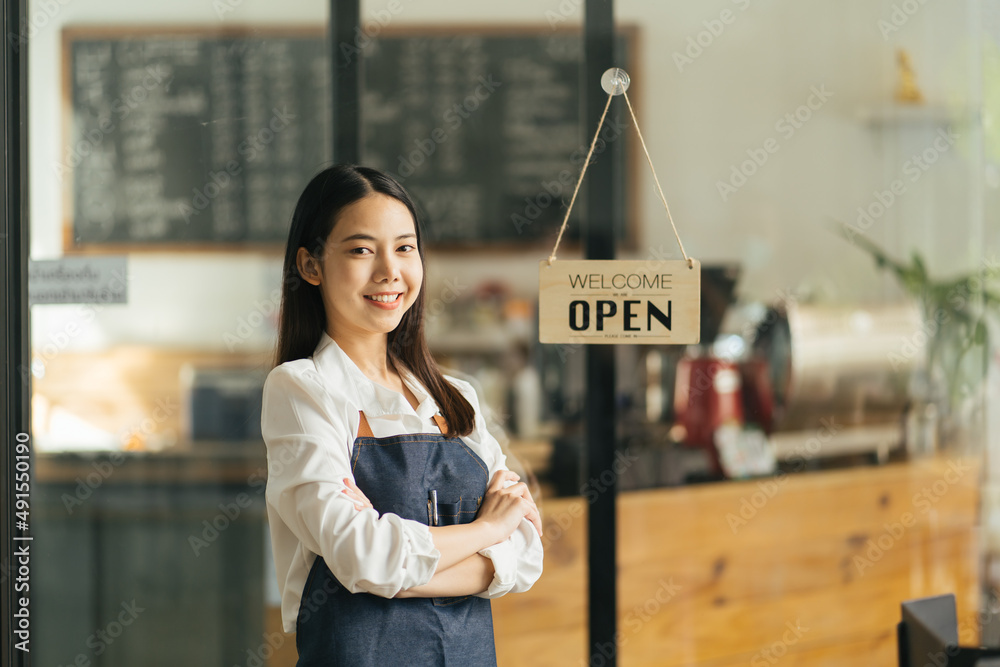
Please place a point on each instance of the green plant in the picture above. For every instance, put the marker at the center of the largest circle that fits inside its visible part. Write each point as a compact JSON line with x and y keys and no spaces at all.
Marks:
{"x":956,"y":313}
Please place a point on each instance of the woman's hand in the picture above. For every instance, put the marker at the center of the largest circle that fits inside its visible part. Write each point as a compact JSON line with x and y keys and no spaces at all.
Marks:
{"x":535,"y":517}
{"x":503,"y":508}
{"x":357,"y":495}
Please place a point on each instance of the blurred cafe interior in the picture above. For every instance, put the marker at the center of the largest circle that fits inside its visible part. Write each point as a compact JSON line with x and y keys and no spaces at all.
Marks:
{"x":829,"y":450}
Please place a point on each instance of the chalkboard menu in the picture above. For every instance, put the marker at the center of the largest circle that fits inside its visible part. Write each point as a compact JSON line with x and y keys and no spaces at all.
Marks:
{"x":188,"y":138}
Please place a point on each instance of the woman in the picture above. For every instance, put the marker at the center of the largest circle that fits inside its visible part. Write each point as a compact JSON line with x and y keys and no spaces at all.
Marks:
{"x":392,"y":514}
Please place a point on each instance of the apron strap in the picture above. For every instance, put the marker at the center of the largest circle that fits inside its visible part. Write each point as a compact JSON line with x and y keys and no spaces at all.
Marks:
{"x":442,"y":424}
{"x":365,"y":429}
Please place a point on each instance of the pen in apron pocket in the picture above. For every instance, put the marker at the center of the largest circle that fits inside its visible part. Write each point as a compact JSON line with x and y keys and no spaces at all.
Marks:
{"x":432,"y":508}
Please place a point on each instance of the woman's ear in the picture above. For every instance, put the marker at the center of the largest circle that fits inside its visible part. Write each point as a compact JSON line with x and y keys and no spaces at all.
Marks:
{"x":308,"y":267}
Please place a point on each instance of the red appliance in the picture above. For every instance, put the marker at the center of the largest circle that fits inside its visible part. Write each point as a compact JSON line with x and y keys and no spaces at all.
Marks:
{"x":707,"y":395}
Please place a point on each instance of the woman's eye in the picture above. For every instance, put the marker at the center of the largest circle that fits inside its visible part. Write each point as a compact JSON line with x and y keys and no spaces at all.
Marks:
{"x":407,"y":248}
{"x":360,"y":251}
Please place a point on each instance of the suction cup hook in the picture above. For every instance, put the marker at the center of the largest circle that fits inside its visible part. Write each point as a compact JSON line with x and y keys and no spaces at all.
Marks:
{"x":615,"y":81}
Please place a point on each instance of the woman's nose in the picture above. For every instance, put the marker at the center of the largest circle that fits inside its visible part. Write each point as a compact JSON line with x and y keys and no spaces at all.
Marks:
{"x":386,"y":268}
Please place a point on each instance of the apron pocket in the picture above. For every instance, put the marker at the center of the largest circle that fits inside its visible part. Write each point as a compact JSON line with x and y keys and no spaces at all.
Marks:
{"x":463,"y":511}
{"x":453,"y":514}
{"x":445,"y":602}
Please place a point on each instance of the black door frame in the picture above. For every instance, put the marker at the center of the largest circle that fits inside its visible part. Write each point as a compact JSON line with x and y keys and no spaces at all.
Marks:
{"x":603,"y":219}
{"x":14,"y":324}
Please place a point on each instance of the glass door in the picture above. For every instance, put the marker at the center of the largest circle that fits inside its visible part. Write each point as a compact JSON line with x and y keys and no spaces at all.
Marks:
{"x":169,"y":144}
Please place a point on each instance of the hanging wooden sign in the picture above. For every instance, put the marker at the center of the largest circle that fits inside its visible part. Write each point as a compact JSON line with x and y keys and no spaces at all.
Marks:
{"x":610,"y":301}
{"x":630,"y":302}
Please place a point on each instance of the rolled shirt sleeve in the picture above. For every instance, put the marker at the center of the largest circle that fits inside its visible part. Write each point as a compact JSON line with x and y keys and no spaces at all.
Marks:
{"x":308,"y":455}
{"x":517,"y":561}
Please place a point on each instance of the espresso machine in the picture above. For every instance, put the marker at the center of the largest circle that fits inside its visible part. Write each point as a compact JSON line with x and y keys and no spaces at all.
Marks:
{"x":818,"y":381}
{"x":839,"y":377}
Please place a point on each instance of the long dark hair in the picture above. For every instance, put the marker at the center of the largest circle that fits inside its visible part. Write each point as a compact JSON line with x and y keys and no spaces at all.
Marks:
{"x":302,"y":318}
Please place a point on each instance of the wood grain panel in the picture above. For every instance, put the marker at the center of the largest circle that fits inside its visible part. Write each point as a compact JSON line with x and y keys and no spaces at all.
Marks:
{"x":693,"y":592}
{"x":802,"y":507}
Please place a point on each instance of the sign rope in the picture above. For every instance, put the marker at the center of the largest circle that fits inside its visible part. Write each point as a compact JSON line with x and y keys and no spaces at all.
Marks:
{"x":616,"y":82}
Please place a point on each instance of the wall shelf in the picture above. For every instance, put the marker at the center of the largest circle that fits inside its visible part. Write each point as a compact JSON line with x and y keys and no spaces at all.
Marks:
{"x":895,"y":115}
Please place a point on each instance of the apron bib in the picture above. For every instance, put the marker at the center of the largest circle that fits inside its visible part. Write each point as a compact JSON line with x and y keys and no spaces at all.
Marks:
{"x":335,"y":627}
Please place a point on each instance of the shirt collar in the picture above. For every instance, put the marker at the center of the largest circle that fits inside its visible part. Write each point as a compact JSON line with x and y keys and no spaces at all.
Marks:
{"x":377,"y":401}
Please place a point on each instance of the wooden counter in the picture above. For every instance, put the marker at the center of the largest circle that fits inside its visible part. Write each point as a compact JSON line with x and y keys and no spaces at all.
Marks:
{"x":804,"y":579}
{"x":800,"y":578}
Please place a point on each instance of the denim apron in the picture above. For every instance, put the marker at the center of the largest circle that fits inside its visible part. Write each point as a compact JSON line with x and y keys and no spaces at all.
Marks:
{"x":398,"y":474}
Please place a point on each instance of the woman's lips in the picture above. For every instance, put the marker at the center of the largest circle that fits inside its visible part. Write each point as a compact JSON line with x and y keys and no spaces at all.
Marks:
{"x":385,"y":301}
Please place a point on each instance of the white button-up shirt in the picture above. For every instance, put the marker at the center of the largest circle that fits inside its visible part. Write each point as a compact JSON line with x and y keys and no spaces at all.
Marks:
{"x":310,"y":420}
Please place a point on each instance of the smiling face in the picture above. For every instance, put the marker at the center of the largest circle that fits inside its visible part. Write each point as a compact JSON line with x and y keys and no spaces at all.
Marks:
{"x":370,"y":271}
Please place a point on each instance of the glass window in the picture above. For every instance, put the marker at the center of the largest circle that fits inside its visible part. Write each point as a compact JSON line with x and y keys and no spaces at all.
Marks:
{"x":168,"y":148}
{"x":820,"y":457}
